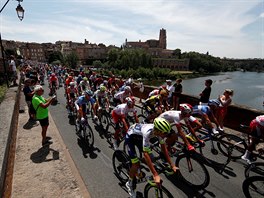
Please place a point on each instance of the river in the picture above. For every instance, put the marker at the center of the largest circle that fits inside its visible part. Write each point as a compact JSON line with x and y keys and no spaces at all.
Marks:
{"x":248,"y":87}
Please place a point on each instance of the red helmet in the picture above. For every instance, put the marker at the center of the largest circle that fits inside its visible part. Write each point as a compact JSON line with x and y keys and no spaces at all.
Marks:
{"x":186,"y":108}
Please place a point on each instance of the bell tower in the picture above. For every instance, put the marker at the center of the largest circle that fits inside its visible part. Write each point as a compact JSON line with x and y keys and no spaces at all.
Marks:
{"x":163,"y":39}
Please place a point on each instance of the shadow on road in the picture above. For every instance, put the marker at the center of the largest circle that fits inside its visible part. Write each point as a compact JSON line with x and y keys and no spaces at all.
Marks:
{"x":87,"y":149}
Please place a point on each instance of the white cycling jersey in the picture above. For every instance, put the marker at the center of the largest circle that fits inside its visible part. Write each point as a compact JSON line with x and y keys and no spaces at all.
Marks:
{"x":123,"y":109}
{"x":144,"y":130}
{"x":174,"y":117}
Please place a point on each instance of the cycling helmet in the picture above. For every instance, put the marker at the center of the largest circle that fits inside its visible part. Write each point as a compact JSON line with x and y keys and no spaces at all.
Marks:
{"x":130,"y":101}
{"x":127,"y":88}
{"x":72,"y":83}
{"x":162,"y":125}
{"x":52,"y":74}
{"x":102,"y":88}
{"x":186,"y":108}
{"x":105,"y":82}
{"x":89,"y":92}
{"x":164,"y":93}
{"x":85,"y":78}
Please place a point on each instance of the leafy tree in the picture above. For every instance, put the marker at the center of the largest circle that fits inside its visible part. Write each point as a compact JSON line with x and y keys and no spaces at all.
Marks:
{"x":72,"y":60}
{"x":55,"y":56}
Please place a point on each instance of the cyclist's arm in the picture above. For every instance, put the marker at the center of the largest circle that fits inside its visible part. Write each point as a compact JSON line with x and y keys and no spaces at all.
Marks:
{"x":165,"y":152}
{"x":124,"y":122}
{"x":150,"y":164}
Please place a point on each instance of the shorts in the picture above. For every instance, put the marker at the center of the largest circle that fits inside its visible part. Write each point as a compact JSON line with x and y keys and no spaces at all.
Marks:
{"x":116,"y":117}
{"x":44,"y":122}
{"x":132,"y":141}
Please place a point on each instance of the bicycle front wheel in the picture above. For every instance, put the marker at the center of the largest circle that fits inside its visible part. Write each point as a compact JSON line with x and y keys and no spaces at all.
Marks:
{"x":121,"y":164}
{"x":104,"y":121}
{"x":231,"y":145}
{"x":253,"y":187}
{"x":151,"y":191}
{"x":192,"y":171}
{"x":88,"y":135}
{"x":254,"y":169}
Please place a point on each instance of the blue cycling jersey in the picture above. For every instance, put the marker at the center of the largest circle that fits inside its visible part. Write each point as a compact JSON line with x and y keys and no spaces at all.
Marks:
{"x":82,"y":100}
{"x":201,"y":109}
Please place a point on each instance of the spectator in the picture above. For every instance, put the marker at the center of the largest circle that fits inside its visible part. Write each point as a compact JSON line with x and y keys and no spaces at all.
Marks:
{"x":177,"y":93}
{"x":28,"y":92}
{"x":205,"y":94}
{"x":41,"y":104}
{"x":12,"y":66}
{"x":170,"y":89}
{"x":225,"y":100}
{"x":141,"y":89}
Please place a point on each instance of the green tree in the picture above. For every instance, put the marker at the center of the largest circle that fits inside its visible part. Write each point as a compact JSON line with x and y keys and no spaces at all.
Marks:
{"x":55,"y":56}
{"x":72,"y":60}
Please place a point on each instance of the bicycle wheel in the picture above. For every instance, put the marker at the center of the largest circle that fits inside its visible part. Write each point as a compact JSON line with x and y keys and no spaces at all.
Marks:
{"x":110,"y":134}
{"x":151,"y":191}
{"x":121,"y":164}
{"x":88,"y":135}
{"x":231,"y":145}
{"x":253,"y":186}
{"x":254,"y":169}
{"x":192,"y":171}
{"x":104,"y":121}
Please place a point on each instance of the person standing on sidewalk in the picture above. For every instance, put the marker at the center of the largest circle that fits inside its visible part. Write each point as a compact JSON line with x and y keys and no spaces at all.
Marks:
{"x":28,"y":92}
{"x":177,"y":93}
{"x":41,"y":104}
{"x":205,"y":94}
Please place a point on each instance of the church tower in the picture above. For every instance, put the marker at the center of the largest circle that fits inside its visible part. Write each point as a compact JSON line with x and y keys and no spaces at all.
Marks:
{"x":163,"y":39}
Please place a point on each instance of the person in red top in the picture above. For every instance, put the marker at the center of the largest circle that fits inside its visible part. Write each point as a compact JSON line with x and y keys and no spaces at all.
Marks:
{"x":53,"y":83}
{"x":256,"y":129}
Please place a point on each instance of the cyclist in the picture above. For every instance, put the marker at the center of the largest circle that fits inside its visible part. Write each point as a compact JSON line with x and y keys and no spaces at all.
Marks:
{"x":154,"y":105}
{"x":139,"y":135}
{"x":207,"y":116}
{"x":174,"y":118}
{"x":53,"y":83}
{"x":120,"y":96}
{"x":81,"y":106}
{"x":256,"y":129}
{"x":119,"y":114}
{"x":71,"y":94}
{"x":101,"y":98}
{"x":84,"y":85}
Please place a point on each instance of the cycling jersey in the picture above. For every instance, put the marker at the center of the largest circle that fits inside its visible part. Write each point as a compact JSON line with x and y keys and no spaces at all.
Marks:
{"x":121,"y":96}
{"x":99,"y":95}
{"x":83,"y":101}
{"x":201,"y":110}
{"x":84,"y":84}
{"x":174,"y":117}
{"x":144,"y":130}
{"x":257,"y":125}
{"x":72,"y":91}
{"x":122,"y":110}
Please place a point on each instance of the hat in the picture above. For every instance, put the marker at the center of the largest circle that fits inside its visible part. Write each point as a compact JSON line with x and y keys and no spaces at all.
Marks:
{"x":37,"y":88}
{"x":168,"y":81}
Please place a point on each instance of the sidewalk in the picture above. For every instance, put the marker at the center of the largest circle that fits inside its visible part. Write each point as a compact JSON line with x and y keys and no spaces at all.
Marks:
{"x":45,"y":171}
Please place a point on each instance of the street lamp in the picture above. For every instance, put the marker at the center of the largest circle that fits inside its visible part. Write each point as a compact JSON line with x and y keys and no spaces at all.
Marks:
{"x":20,"y":13}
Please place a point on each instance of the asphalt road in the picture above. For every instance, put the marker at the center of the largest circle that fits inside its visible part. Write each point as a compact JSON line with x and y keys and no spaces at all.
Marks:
{"x":95,"y":165}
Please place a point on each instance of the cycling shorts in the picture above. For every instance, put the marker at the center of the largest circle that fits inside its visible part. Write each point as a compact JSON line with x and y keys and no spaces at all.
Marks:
{"x":116,"y":117}
{"x":132,"y":141}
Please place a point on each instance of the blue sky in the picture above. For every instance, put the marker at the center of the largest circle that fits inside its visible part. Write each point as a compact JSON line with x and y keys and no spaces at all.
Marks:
{"x":225,"y":28}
